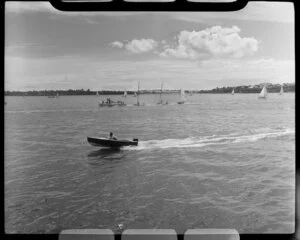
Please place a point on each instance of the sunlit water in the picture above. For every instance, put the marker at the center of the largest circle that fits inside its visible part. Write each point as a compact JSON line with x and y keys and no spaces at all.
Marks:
{"x":217,"y":161}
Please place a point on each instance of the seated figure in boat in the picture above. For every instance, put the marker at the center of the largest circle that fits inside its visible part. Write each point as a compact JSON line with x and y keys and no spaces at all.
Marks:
{"x":112,"y":137}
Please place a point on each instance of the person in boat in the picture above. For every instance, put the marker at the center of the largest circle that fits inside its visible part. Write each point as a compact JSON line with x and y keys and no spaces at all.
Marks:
{"x":112,"y":137}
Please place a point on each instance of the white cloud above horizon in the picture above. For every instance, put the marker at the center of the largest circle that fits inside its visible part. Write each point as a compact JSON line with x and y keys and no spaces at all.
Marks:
{"x":117,"y":44}
{"x":141,"y":46}
{"x":215,"y":42}
{"x":137,"y":46}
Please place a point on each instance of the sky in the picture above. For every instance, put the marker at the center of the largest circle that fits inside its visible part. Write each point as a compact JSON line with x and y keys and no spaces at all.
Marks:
{"x":50,"y":49}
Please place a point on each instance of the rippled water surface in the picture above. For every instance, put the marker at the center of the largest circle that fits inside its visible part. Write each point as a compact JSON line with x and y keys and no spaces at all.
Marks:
{"x":218,"y":161}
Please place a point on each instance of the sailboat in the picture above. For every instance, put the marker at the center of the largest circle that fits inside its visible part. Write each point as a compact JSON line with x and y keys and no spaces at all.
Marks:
{"x":137,"y":95}
{"x":122,"y":103}
{"x":263,"y":93}
{"x":53,"y":96}
{"x":97,"y":94}
{"x":232,"y":93}
{"x":160,"y":98}
{"x":182,"y":97}
{"x":281,"y":90}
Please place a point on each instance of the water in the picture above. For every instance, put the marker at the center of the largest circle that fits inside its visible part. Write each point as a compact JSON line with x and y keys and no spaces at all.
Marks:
{"x":218,"y":161}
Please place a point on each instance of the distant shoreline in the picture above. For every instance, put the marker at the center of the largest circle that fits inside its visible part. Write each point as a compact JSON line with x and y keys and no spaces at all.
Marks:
{"x":271,"y":88}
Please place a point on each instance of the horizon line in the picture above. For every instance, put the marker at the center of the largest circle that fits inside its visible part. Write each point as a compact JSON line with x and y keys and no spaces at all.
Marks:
{"x":155,"y":89}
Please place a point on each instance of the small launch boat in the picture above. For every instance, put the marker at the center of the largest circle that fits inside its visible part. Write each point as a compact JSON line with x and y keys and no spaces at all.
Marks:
{"x":105,"y":142}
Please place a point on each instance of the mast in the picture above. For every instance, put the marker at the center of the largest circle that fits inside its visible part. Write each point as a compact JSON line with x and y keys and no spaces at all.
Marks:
{"x":137,"y":95}
{"x":161,"y":91}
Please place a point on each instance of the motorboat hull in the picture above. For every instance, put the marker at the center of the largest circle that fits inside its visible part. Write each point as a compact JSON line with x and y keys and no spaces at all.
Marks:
{"x":104,"y":142}
{"x":111,"y":104}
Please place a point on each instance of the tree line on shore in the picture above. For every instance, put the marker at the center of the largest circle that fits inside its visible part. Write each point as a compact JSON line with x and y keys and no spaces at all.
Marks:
{"x":271,"y":88}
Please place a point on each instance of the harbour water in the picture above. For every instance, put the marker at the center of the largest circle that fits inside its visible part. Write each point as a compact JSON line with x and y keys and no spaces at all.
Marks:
{"x":217,"y":161}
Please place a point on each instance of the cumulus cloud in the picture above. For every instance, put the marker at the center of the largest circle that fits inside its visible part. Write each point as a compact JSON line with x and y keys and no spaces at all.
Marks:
{"x":117,"y":44}
{"x":141,"y":46}
{"x":213,"y":42}
{"x":137,"y":45}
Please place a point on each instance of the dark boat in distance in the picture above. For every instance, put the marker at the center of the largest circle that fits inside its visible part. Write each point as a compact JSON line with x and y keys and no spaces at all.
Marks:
{"x":104,"y":142}
{"x":112,"y":104}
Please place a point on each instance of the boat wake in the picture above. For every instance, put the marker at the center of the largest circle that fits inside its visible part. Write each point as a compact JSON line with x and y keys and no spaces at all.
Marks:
{"x":194,"y":142}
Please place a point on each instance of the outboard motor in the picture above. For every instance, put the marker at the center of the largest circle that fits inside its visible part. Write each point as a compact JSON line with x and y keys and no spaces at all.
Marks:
{"x":135,"y":140}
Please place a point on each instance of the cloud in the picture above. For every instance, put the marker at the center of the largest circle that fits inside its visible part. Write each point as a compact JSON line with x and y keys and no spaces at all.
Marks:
{"x":117,"y":44}
{"x":141,"y":46}
{"x":137,"y":46}
{"x":216,"y":42}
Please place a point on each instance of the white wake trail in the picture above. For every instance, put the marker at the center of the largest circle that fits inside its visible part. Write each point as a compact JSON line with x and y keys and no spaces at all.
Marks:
{"x":194,"y":142}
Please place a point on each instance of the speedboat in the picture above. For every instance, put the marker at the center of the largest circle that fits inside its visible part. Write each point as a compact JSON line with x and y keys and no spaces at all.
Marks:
{"x":105,"y":142}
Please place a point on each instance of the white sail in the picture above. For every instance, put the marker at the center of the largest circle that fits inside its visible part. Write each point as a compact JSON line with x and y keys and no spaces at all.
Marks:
{"x":232,"y":92}
{"x":97,"y":94}
{"x":182,"y":97}
{"x":125,"y":94}
{"x":263,"y":93}
{"x":281,"y":90}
